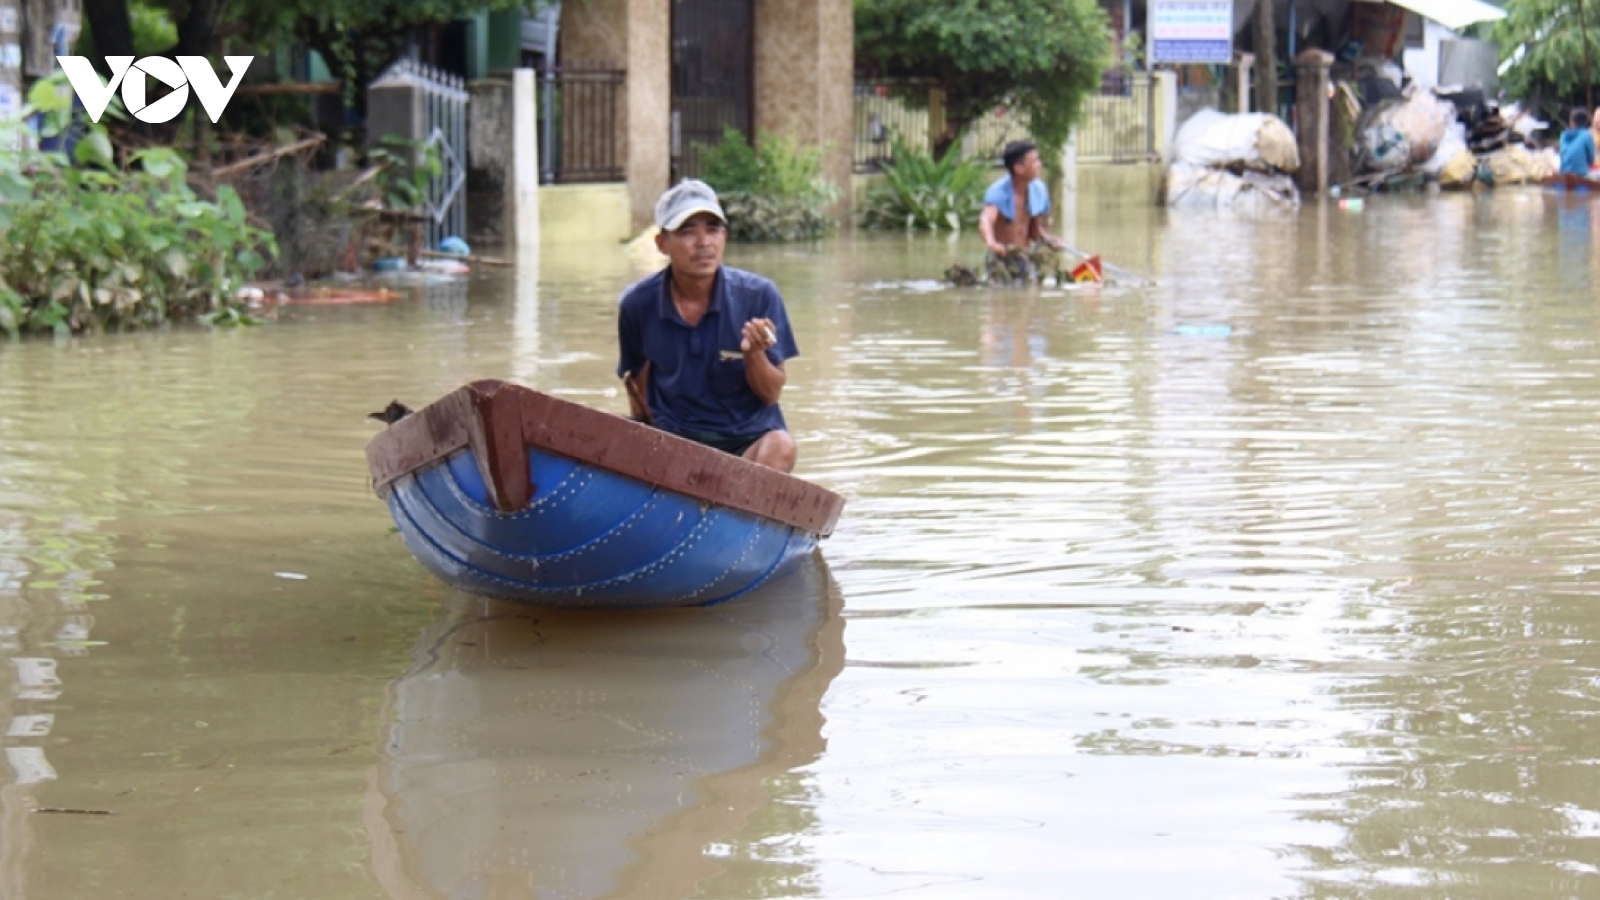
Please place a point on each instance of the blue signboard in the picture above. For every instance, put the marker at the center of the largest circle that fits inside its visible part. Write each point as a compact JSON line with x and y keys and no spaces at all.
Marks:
{"x":1191,"y":31}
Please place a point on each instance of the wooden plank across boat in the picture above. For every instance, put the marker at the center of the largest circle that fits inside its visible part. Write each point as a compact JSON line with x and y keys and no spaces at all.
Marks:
{"x":501,"y":490}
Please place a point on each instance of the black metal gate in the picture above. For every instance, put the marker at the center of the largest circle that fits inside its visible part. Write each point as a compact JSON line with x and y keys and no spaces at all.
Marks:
{"x":713,"y":76}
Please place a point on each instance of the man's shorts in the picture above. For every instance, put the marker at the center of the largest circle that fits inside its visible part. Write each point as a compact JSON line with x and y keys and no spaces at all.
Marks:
{"x":735,"y":444}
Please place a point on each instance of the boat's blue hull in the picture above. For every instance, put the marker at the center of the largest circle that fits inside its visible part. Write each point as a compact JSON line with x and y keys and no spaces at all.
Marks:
{"x":588,"y":537}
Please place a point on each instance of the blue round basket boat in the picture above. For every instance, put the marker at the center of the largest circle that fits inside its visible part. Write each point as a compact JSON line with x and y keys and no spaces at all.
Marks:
{"x":501,"y":490}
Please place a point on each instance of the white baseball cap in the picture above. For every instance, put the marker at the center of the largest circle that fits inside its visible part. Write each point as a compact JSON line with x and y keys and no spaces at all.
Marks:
{"x":683,"y":200}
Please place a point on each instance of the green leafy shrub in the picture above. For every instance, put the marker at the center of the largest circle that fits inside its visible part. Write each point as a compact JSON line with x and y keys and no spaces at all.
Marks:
{"x":1041,"y":58}
{"x":919,"y":192}
{"x":771,"y":192}
{"x":86,"y":245}
{"x":407,"y":166}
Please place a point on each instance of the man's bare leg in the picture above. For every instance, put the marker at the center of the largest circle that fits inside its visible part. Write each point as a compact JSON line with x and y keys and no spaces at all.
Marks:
{"x":775,"y":450}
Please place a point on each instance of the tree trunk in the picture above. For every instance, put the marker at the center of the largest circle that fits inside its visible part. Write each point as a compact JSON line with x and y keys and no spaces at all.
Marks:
{"x":110,"y":26}
{"x":1266,"y":39}
{"x":1588,"y":69}
{"x":197,"y":33}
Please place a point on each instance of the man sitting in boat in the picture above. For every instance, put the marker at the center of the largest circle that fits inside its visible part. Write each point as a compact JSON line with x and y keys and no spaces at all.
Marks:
{"x":703,"y":344}
{"x":1577,"y":146}
{"x":1012,"y":224}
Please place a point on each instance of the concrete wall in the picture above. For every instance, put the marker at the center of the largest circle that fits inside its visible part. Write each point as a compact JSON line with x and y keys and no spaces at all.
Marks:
{"x":805,"y":80}
{"x":489,"y":142}
{"x":595,"y":215}
{"x":1132,"y":184}
{"x":600,"y":215}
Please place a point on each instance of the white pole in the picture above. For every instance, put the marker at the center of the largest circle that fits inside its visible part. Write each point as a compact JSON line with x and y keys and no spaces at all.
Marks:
{"x":1066,"y":224}
{"x":524,"y":160}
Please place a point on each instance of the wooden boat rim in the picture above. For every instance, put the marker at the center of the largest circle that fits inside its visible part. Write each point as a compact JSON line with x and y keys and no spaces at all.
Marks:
{"x":499,"y":420}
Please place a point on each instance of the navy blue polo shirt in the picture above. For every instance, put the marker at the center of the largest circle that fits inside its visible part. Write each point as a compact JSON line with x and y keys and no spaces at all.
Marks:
{"x":697,"y":383}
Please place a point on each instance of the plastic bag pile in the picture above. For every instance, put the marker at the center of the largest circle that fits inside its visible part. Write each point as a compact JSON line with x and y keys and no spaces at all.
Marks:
{"x":1239,"y":160}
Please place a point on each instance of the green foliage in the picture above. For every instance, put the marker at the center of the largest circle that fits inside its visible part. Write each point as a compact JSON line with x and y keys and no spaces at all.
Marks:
{"x":760,"y":217}
{"x":406,"y":167}
{"x":919,"y":192}
{"x":152,"y":27}
{"x":771,"y":192}
{"x":85,"y":245}
{"x":1552,"y":71}
{"x":1040,"y":56}
{"x":357,"y":39}
{"x":732,"y":164}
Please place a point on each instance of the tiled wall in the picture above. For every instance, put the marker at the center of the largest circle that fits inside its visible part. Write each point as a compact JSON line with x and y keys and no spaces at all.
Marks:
{"x":805,"y":77}
{"x":649,"y":146}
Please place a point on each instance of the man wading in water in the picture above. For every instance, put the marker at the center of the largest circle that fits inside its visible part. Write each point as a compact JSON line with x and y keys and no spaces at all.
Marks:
{"x":1012,"y":224}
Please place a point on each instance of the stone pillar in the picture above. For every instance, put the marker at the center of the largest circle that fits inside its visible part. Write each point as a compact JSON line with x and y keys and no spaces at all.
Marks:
{"x":1343,"y":117}
{"x":394,"y":107}
{"x":1312,"y":110}
{"x":1164,"y":112}
{"x":648,"y":147}
{"x":489,"y":160}
{"x":634,"y":36}
{"x":805,"y":80}
{"x":523,"y":196}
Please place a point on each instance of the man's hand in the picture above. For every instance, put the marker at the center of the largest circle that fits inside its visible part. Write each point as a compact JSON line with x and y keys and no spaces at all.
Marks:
{"x":637,"y":388}
{"x":757,"y":336}
{"x":765,"y":377}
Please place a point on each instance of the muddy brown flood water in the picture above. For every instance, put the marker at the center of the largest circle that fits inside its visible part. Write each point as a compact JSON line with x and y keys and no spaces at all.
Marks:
{"x":1277,"y":579}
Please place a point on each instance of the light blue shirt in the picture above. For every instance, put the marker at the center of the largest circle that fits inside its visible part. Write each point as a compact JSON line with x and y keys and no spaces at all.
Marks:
{"x":1577,"y":151}
{"x":1001,"y":196}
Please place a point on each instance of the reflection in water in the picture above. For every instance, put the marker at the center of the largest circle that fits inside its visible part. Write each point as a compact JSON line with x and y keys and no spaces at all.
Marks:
{"x":525,"y":741}
{"x":51,"y":556}
{"x":522,"y":290}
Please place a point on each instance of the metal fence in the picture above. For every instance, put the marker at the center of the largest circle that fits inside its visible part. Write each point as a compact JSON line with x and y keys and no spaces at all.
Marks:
{"x":987,"y":137}
{"x":423,"y":102}
{"x":909,"y":109}
{"x":580,"y":125}
{"x":1114,"y":126}
{"x":889,"y":109}
{"x":1118,"y":127}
